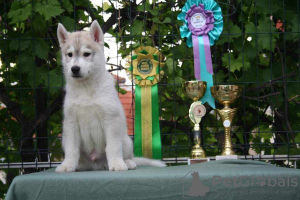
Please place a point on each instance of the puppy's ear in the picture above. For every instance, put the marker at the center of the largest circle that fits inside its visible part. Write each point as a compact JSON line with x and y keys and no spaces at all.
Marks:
{"x":96,"y":32}
{"x":62,"y":34}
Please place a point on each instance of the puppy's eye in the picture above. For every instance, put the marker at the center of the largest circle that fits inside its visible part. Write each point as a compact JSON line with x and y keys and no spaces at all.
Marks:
{"x":70,"y":55}
{"x":86,"y":54}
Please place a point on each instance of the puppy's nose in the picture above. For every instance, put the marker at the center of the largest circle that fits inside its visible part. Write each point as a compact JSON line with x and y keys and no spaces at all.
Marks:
{"x":75,"y":69}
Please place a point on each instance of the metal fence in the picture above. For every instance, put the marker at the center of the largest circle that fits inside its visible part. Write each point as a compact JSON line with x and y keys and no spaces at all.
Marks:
{"x":259,"y":50}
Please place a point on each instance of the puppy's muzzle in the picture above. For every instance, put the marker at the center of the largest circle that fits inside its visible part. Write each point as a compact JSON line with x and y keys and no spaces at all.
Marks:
{"x":75,"y":70}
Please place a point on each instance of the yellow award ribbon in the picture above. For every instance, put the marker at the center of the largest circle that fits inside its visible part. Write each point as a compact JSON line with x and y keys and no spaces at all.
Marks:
{"x":146,"y":121}
{"x":145,"y":70}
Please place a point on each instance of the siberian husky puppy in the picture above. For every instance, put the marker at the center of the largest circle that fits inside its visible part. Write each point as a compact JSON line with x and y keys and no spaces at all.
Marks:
{"x":94,"y":126}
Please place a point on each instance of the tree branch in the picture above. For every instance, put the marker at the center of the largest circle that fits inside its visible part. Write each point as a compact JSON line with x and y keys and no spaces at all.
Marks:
{"x":262,"y":97}
{"x":53,"y":108}
{"x":274,"y":81}
{"x":119,"y":67}
{"x":285,"y":97}
{"x":110,"y":22}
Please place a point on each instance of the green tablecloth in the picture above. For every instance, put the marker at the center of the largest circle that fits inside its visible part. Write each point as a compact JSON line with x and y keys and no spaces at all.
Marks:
{"x":227,"y":179}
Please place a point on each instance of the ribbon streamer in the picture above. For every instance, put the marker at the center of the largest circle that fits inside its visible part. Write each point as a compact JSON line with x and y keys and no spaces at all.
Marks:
{"x":145,"y":69}
{"x":206,"y":70}
{"x":203,"y":24}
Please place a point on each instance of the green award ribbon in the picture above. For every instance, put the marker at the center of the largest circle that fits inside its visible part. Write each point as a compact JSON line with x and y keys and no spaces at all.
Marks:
{"x":145,"y":70}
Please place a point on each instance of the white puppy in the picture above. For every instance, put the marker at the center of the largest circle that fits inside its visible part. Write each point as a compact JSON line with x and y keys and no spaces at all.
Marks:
{"x":94,"y":127}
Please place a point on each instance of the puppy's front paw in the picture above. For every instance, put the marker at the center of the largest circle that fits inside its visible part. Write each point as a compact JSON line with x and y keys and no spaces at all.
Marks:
{"x":64,"y":168}
{"x":117,"y":165}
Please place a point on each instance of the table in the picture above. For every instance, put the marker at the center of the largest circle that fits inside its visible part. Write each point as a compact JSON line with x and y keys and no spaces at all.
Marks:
{"x":225,"y":179}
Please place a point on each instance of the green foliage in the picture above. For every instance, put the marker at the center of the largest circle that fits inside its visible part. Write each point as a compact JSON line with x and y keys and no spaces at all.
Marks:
{"x":137,"y":27}
{"x":48,"y":10}
{"x":236,"y":64}
{"x":20,"y":11}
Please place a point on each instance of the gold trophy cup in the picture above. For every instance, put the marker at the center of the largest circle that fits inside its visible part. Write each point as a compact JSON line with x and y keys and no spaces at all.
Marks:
{"x":195,"y":90}
{"x":226,"y":94}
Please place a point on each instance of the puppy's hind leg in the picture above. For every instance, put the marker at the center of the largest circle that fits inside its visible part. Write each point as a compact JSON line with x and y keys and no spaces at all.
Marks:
{"x":101,"y":164}
{"x":84,"y":164}
{"x":130,"y":164}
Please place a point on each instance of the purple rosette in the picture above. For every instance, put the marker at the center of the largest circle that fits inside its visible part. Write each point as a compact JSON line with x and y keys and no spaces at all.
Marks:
{"x":203,"y":27}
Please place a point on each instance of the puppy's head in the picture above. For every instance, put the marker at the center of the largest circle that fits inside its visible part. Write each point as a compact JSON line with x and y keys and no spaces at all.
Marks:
{"x":82,"y":52}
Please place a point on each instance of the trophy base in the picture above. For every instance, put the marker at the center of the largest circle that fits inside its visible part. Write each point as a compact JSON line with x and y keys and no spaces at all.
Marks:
{"x":197,"y":152}
{"x":229,"y":157}
{"x":228,"y":152}
{"x":196,"y":161}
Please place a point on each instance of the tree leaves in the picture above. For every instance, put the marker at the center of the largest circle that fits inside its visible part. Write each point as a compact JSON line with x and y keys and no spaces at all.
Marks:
{"x":264,"y":59}
{"x":54,"y":80}
{"x":295,"y":29}
{"x":137,"y":27}
{"x":230,"y":34}
{"x":264,"y":35}
{"x":67,"y":5}
{"x":146,"y":7}
{"x":25,"y":62}
{"x":41,"y":49}
{"x":20,"y":45}
{"x":106,"y":6}
{"x":20,"y":11}
{"x":49,"y":10}
{"x":233,"y":64}
{"x":165,"y":21}
{"x":68,"y":23}
{"x":171,"y":64}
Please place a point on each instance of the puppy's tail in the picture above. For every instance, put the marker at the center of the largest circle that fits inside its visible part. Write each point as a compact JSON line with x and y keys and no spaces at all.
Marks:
{"x":147,"y":161}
